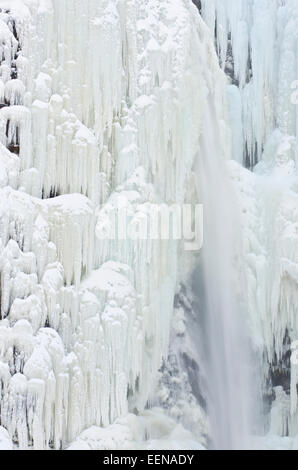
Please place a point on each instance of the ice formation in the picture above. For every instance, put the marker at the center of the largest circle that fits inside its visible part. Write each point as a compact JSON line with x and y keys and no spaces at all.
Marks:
{"x":151,"y":430}
{"x":257,"y":45}
{"x":99,"y":101}
{"x":106,"y":105}
{"x":262,"y":72}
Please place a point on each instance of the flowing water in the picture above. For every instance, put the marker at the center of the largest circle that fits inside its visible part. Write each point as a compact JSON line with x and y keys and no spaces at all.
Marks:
{"x":225,"y":349}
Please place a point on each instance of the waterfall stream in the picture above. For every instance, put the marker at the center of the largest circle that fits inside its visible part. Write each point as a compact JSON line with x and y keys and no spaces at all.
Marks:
{"x":224,"y":330}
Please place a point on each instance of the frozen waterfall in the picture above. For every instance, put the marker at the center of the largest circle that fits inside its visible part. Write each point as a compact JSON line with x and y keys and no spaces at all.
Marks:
{"x":86,"y":321}
{"x":139,"y":343}
{"x":262,"y":76}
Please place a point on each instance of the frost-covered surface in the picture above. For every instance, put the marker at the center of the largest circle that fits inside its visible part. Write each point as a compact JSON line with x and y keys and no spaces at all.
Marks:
{"x":102,"y":103}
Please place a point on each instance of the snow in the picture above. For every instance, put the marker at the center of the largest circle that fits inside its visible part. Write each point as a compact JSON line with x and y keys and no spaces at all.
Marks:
{"x":5,"y":441}
{"x":150,"y":431}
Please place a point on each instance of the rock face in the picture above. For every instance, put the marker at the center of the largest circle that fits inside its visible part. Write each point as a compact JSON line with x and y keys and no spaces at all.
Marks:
{"x":198,"y":4}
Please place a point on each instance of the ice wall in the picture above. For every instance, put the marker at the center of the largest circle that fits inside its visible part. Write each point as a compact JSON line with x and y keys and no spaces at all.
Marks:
{"x":102,"y":104}
{"x":256,"y":42}
{"x":257,"y":46}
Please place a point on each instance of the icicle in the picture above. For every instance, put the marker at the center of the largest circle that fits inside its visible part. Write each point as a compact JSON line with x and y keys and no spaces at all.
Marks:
{"x":14,"y":92}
